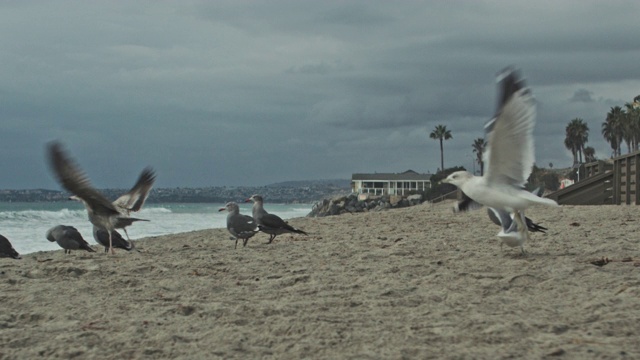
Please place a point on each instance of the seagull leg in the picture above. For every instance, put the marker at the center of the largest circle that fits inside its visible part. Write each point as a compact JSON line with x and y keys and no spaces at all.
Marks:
{"x":110,"y":244}
{"x":245,"y":241}
{"x":271,"y":237}
{"x":519,"y":218}
{"x":235,"y":247}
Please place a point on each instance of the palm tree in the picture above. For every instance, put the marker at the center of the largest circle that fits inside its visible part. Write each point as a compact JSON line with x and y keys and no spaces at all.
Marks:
{"x":441,"y":133}
{"x":569,"y":143}
{"x":589,"y":154}
{"x":478,"y":146}
{"x":577,"y":135}
{"x":632,"y":125}
{"x":612,"y":129}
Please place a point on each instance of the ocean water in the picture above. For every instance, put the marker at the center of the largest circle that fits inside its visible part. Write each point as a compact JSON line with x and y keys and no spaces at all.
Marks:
{"x":25,"y":224}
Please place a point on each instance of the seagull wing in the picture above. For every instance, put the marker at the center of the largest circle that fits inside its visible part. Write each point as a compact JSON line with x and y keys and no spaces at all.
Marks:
{"x":135,"y":198}
{"x":72,"y":178}
{"x":273,"y":221}
{"x":243,"y":225}
{"x":510,"y":152}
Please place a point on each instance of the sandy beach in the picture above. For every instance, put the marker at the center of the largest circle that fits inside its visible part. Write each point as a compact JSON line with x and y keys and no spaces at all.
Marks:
{"x":413,"y":283}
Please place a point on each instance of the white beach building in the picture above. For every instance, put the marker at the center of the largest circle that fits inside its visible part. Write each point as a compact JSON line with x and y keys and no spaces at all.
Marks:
{"x":390,"y":183}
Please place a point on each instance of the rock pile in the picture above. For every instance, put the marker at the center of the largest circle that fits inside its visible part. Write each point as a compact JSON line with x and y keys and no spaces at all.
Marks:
{"x":362,"y":203}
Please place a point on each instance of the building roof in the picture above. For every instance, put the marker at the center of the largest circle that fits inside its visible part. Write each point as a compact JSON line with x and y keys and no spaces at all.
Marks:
{"x":408,"y":175}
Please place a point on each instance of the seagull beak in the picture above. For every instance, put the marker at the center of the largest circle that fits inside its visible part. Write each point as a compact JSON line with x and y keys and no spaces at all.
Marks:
{"x":445,"y":180}
{"x":222,"y":209}
{"x":248,"y":200}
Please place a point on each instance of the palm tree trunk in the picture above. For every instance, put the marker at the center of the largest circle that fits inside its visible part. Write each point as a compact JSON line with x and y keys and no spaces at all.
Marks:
{"x":441,"y":156}
{"x":580,"y":152}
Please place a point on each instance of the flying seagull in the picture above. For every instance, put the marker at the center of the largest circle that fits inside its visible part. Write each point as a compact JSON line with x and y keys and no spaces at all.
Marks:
{"x":132,"y":200}
{"x":101,"y":236}
{"x":269,"y":223}
{"x":509,"y":156}
{"x":102,"y":213}
{"x":240,"y":226}
{"x":69,"y":238}
{"x":6,"y":250}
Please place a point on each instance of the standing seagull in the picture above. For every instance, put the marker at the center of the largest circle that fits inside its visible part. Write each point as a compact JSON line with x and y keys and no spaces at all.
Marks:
{"x":509,"y":233}
{"x":240,"y":226}
{"x":69,"y":238}
{"x":133,"y":199}
{"x":269,"y":223}
{"x":102,"y":213}
{"x":101,"y":236}
{"x":6,"y":250}
{"x":509,"y":156}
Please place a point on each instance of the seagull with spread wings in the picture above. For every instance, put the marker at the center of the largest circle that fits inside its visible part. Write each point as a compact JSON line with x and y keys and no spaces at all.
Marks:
{"x":102,"y":212}
{"x":509,"y":156}
{"x":133,"y":199}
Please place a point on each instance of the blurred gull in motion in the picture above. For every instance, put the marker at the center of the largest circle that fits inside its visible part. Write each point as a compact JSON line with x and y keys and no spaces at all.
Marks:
{"x":102,"y":213}
{"x":509,"y":157}
{"x":132,"y":200}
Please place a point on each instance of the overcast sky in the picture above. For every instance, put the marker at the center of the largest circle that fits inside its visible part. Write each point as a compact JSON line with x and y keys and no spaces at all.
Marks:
{"x":215,"y":93}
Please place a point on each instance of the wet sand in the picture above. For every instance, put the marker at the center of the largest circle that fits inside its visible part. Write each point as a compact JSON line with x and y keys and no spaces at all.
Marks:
{"x":412,"y":283}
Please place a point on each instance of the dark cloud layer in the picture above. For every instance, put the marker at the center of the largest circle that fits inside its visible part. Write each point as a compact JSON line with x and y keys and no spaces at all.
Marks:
{"x":249,"y":93}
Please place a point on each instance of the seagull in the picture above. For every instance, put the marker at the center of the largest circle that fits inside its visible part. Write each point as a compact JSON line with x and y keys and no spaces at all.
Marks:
{"x":509,"y":233}
{"x":69,"y":238}
{"x":509,"y":156}
{"x":133,"y":199}
{"x":102,"y":213}
{"x":101,"y":236}
{"x":509,"y":230}
{"x":6,"y":250}
{"x":240,"y":226}
{"x":269,"y":223}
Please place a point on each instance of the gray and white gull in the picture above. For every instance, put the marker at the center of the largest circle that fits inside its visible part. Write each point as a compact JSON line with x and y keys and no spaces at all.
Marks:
{"x":101,"y":236}
{"x":509,"y":233}
{"x":509,"y":157}
{"x":102,"y":213}
{"x":69,"y":238}
{"x":240,"y":226}
{"x":132,"y":200}
{"x":269,"y":223}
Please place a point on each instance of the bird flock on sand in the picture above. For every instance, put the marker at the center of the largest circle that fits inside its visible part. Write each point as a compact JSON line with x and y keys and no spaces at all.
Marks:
{"x":509,"y":158}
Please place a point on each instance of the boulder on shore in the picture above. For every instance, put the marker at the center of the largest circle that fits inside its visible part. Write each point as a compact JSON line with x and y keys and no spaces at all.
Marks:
{"x":353,"y":203}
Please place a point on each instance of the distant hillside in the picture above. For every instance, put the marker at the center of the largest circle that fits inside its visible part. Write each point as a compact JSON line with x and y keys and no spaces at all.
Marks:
{"x":283,"y":192}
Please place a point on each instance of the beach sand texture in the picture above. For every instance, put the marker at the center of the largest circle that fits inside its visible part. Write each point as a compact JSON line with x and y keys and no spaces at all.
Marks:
{"x":380,"y":285}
